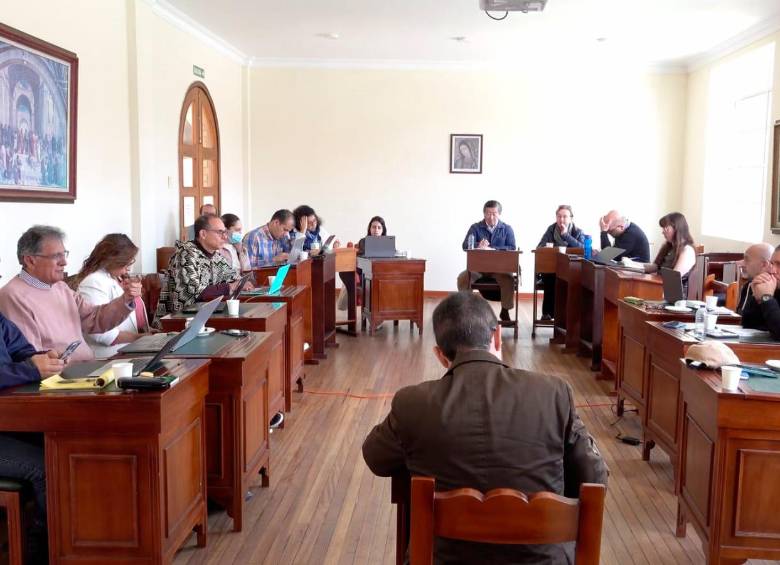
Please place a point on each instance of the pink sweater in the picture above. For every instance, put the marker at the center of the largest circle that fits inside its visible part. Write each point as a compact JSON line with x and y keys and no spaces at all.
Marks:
{"x":53,"y":318}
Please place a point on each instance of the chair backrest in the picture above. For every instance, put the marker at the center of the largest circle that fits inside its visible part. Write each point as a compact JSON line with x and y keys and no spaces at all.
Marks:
{"x":505,"y":516}
{"x":151,"y":286}
{"x":164,"y":255}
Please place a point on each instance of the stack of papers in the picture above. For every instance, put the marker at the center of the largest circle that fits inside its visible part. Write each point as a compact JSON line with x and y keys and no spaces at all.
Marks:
{"x":56,"y":382}
{"x":632,"y":264}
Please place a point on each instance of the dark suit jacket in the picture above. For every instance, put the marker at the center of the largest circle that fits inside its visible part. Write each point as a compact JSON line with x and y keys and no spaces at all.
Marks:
{"x":485,"y":425}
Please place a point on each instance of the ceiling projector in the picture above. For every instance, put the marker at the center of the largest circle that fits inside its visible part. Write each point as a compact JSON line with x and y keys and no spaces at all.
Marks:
{"x":512,"y":5}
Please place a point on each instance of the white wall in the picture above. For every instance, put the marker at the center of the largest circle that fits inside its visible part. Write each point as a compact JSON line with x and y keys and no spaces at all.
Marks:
{"x":354,"y":143}
{"x":695,"y":154}
{"x":96,"y":32}
{"x":134,"y":70}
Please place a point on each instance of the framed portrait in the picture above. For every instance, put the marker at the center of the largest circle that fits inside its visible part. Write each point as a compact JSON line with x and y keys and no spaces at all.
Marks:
{"x":774,"y":224}
{"x":38,"y":93}
{"x":465,"y":153}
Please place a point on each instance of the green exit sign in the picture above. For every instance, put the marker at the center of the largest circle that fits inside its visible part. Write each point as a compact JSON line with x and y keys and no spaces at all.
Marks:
{"x":198,"y":72}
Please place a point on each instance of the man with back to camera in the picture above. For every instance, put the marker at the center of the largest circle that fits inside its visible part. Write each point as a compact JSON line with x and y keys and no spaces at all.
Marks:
{"x":628,"y":236}
{"x":492,"y":233}
{"x":485,"y":425}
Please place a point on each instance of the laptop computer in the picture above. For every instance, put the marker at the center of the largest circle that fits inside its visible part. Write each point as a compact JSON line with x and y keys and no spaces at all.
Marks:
{"x":672,"y":283}
{"x":295,"y":251}
{"x":379,"y":246}
{"x":140,"y":364}
{"x":281,"y":274}
{"x":607,"y":256}
{"x":154,"y":342}
{"x":196,"y":306}
{"x":328,"y":242}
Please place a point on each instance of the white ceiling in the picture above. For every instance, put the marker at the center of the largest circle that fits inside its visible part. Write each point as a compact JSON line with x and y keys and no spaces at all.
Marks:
{"x":665,"y":32}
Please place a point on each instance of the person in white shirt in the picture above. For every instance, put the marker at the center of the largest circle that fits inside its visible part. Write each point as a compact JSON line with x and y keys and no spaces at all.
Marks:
{"x":234,"y":250}
{"x":99,"y":283}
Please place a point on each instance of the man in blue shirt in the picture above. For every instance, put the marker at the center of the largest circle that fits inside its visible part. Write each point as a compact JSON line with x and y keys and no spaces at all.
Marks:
{"x":21,"y":455}
{"x":491,"y":233}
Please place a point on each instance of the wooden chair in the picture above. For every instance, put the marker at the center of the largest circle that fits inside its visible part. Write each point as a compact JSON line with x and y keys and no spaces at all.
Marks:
{"x":10,"y":495}
{"x":151,"y":286}
{"x":707,"y":264}
{"x":164,"y":255}
{"x":505,"y":262}
{"x":729,"y":291}
{"x":505,"y":516}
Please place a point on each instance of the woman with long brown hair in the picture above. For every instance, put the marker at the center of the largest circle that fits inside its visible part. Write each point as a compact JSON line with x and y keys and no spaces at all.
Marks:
{"x":101,"y":280}
{"x":678,"y":251}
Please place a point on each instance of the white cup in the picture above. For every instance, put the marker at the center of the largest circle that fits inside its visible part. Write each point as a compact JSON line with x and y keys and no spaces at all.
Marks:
{"x":681,"y":304}
{"x":562,"y":249}
{"x":304,"y":255}
{"x":122,"y":370}
{"x":232,"y":307}
{"x":712,"y":302}
{"x":730,"y":377}
{"x":549,"y":245}
{"x":710,"y":321}
{"x":271,"y":280}
{"x":187,"y":322}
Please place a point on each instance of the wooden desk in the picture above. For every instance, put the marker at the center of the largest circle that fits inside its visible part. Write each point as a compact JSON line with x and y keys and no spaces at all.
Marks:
{"x":619,"y":284}
{"x":294,"y":298}
{"x":237,"y":415}
{"x":125,"y":471}
{"x":729,"y":462}
{"x":545,"y":263}
{"x":665,"y":348}
{"x":497,"y":261}
{"x":346,"y":267}
{"x":255,"y":317}
{"x":323,"y":312}
{"x":392,"y":290}
{"x":568,"y":293}
{"x":298,"y":275}
{"x":592,"y":312}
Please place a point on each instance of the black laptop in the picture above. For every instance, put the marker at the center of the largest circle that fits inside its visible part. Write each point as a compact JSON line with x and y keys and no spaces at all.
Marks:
{"x":673,"y":287}
{"x":607,"y":256}
{"x":195,"y":307}
{"x":379,"y":246}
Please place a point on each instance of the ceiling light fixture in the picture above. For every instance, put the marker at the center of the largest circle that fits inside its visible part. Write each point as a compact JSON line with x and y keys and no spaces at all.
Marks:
{"x":328,"y":35}
{"x":507,"y":6}
{"x":460,"y":39}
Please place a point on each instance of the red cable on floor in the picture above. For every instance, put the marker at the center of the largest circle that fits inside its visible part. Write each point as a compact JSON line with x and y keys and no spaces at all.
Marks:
{"x":384,"y":395}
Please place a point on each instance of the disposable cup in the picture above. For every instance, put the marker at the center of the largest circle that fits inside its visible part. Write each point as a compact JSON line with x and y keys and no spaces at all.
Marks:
{"x":730,"y":377}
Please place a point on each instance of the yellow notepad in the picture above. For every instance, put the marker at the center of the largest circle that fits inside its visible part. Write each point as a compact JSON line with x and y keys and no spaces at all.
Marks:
{"x":56,"y":382}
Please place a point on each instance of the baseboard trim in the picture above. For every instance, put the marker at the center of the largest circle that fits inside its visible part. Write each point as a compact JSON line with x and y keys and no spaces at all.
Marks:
{"x":439,"y":294}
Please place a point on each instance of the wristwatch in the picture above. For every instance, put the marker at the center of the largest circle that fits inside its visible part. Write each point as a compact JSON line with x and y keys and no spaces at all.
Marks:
{"x":766,"y":298}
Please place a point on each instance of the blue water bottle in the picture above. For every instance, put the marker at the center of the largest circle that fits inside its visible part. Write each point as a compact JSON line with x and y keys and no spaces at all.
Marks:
{"x":588,"y":246}
{"x":471,"y":241}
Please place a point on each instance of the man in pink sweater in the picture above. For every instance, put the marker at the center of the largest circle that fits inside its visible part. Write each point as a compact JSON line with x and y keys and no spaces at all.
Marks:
{"x":46,"y":310}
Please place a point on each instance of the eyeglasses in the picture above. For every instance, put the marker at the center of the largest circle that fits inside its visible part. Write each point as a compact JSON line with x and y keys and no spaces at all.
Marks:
{"x":222,"y":233}
{"x":55,"y":256}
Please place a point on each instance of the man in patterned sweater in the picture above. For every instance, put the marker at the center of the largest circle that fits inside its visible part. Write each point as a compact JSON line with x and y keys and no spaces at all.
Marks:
{"x":197,"y":272}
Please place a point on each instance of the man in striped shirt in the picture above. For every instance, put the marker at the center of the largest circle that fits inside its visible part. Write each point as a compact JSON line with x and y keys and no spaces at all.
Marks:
{"x":270,"y":243}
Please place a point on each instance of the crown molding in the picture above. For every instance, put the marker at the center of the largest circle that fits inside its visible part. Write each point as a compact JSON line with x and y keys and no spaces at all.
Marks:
{"x":371,"y":64}
{"x":185,"y":23}
{"x":754,"y":33}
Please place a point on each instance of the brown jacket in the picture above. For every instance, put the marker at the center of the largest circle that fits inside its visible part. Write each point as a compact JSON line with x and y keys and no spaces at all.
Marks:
{"x":485,"y":425}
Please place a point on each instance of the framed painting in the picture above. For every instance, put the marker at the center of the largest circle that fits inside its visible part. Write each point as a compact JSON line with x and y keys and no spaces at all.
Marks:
{"x":38,"y":94}
{"x":774,"y":223}
{"x":465,"y":153}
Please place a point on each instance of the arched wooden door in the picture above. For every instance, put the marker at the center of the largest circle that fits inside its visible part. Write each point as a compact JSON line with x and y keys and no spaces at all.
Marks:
{"x":199,"y":166}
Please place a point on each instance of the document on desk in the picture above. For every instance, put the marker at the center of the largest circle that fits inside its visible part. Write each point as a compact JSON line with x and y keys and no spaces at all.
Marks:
{"x":754,"y":336}
{"x":56,"y":382}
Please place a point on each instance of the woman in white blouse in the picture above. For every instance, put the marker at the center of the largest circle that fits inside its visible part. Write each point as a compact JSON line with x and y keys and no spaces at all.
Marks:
{"x":100,"y":281}
{"x":234,"y":250}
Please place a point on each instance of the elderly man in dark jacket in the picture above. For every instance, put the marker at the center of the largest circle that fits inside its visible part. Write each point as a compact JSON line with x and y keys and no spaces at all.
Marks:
{"x":486,"y":425}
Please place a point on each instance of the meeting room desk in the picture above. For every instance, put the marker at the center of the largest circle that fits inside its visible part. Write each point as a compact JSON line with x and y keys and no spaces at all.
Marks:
{"x":323,"y":309}
{"x":298,"y":275}
{"x":619,"y":284}
{"x":255,"y":317}
{"x":729,"y":460}
{"x":294,"y":298}
{"x":665,"y":348}
{"x":237,"y":414}
{"x":392,"y":290}
{"x":568,"y":292}
{"x":346,"y":267}
{"x":125,"y":471}
{"x":592,"y":312}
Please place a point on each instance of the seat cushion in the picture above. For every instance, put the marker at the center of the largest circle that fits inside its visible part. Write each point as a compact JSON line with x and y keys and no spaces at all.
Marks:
{"x":11,"y":485}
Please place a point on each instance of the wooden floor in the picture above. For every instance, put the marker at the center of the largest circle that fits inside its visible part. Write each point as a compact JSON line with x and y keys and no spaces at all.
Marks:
{"x":325,"y":506}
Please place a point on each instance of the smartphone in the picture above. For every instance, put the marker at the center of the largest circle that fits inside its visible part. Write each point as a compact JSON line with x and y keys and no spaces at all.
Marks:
{"x":70,"y":349}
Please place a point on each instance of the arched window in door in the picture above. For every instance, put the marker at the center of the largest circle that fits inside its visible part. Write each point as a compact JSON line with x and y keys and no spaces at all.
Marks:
{"x":199,"y":167}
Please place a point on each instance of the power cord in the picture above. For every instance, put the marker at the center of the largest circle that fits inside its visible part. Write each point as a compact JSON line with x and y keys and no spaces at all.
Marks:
{"x":495,"y":18}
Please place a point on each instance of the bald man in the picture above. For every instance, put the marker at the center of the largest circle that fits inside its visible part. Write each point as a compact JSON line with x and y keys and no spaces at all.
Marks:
{"x":628,"y":236}
{"x":758,"y":265}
